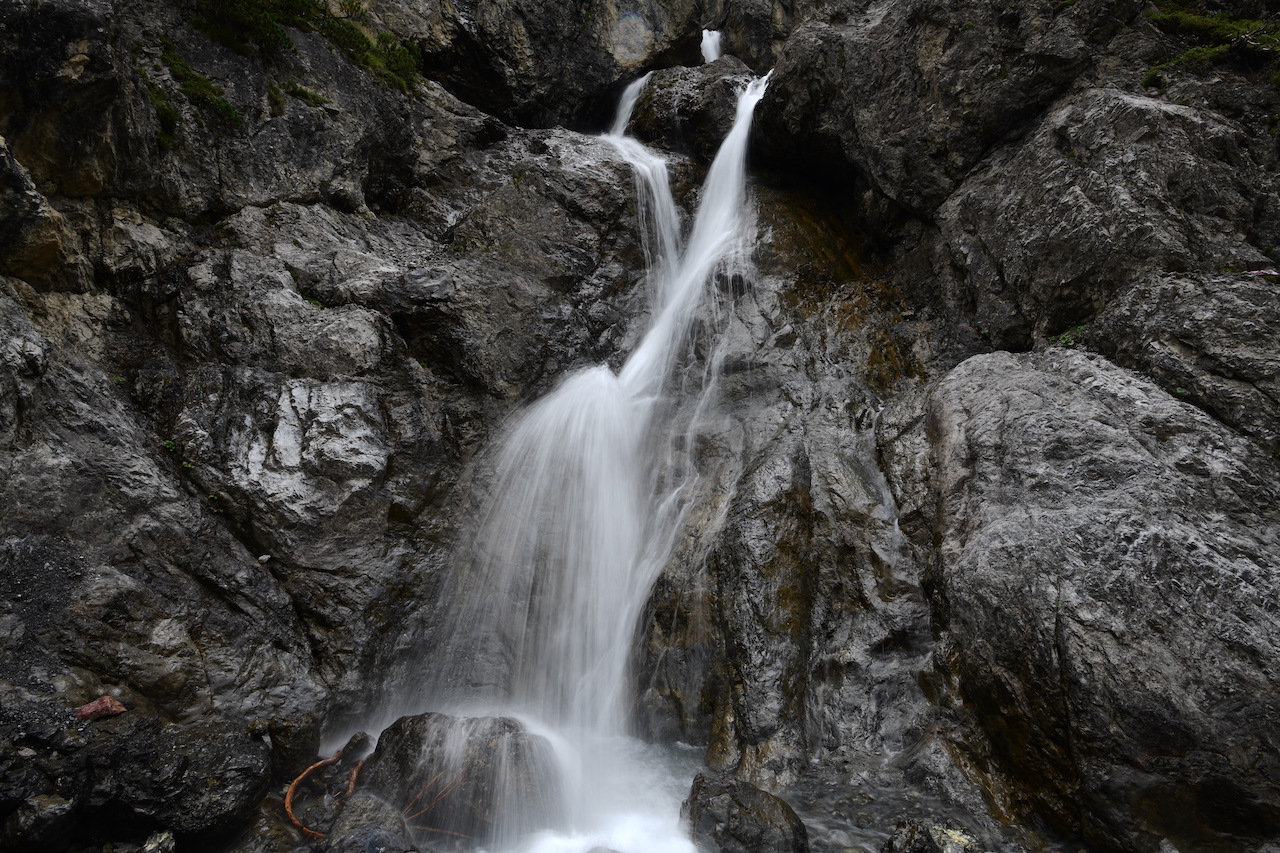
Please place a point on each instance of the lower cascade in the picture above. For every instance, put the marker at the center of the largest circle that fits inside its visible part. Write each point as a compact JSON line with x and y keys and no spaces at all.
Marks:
{"x":582,"y":504}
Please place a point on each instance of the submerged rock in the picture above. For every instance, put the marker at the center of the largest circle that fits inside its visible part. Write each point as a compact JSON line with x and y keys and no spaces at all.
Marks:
{"x":912,"y":837}
{"x":730,"y":816}
{"x":368,"y":823}
{"x":485,"y":779}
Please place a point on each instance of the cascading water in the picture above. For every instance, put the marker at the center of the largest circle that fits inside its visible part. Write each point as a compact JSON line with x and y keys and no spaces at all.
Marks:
{"x":710,"y":45}
{"x":579,"y":519}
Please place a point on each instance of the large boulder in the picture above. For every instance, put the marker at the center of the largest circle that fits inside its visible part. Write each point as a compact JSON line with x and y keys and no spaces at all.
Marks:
{"x":1110,"y":186}
{"x":481,"y":778}
{"x":690,"y":109}
{"x":730,"y":816}
{"x":69,"y":782}
{"x":1107,"y":557}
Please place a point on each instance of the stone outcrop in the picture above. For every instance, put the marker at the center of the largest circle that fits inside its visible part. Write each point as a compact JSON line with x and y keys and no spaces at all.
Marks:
{"x":730,"y":816}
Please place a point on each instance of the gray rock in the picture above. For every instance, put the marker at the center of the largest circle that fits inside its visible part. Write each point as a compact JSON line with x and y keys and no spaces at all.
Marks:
{"x":1109,"y":185}
{"x":731,"y":816}
{"x":912,"y":837}
{"x":1208,"y":339}
{"x":368,"y":823}
{"x":690,"y":109}
{"x":510,"y":58}
{"x":910,"y":96}
{"x":1106,"y":559}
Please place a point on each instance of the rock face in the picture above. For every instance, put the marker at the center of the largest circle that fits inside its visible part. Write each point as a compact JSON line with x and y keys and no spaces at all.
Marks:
{"x":730,"y":816}
{"x":1208,"y":339}
{"x":912,"y":95}
{"x":1112,"y":637}
{"x":259,"y":310}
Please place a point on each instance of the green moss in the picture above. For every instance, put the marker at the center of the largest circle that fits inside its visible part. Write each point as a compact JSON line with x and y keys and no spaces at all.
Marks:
{"x":1214,"y":38}
{"x":1071,"y":338}
{"x":258,"y":27}
{"x":275,"y":98}
{"x":202,"y":92}
{"x":308,"y":97}
{"x":167,"y":115}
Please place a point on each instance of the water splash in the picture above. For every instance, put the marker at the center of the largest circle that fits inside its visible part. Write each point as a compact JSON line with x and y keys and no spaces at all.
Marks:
{"x":579,"y":519}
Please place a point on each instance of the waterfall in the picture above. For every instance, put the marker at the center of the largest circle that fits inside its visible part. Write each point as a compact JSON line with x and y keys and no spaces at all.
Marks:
{"x":710,"y":45}
{"x":578,"y":520}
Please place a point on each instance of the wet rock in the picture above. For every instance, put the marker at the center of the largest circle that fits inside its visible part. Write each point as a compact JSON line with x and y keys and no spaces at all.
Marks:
{"x":690,"y":109}
{"x":366,"y":838}
{"x":911,"y":837}
{"x":202,"y":779}
{"x":72,"y":783}
{"x":790,"y":631}
{"x":1106,"y":555}
{"x":367,"y":822}
{"x":41,"y":822}
{"x":731,"y":816}
{"x":482,"y":778}
{"x":510,"y":57}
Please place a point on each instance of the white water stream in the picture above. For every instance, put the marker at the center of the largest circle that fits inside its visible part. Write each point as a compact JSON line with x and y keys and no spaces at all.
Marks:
{"x":710,"y":45}
{"x":579,"y":520}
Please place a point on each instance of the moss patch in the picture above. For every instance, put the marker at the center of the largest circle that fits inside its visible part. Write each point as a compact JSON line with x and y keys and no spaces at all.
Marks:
{"x":259,"y":27}
{"x":202,"y":92}
{"x":308,"y":97}
{"x":1213,"y":37}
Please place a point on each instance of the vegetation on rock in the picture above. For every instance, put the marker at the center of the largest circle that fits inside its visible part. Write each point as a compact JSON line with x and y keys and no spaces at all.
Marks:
{"x":258,"y":27}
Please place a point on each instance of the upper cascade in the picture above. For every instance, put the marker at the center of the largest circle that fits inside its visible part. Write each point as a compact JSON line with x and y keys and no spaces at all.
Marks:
{"x":711,"y":50}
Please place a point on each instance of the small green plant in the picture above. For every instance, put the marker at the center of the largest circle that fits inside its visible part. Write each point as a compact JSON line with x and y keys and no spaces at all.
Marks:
{"x":202,"y":92}
{"x":258,"y":27}
{"x":276,"y":101}
{"x":169,"y":444}
{"x":315,"y":302}
{"x":1181,"y":392}
{"x":1214,"y":37}
{"x":167,"y":115}
{"x":308,"y":97}
{"x":1071,"y":338}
